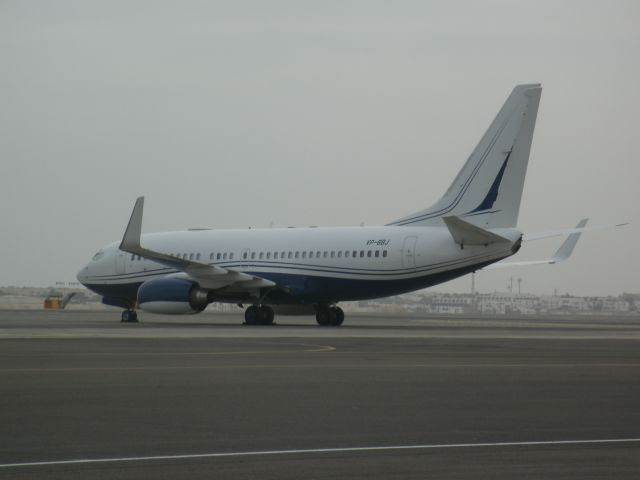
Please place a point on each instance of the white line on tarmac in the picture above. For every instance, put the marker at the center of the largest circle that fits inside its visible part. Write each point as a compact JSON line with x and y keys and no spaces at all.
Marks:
{"x":318,"y":451}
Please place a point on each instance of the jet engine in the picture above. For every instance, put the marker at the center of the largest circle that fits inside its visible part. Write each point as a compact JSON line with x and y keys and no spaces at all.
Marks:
{"x":172,"y":296}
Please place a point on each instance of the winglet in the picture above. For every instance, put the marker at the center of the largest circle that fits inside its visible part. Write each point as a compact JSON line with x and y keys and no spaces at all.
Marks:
{"x":131,"y":243}
{"x":566,"y":249}
{"x":131,"y":239}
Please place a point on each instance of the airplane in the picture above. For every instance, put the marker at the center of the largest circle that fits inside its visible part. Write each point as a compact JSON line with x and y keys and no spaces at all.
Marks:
{"x":310,"y":270}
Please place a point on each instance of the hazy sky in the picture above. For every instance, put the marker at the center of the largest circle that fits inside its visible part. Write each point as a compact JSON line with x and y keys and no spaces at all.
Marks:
{"x":230,"y":114}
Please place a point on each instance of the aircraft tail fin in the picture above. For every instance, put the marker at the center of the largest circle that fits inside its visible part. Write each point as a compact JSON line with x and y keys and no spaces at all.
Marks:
{"x":488,"y":189}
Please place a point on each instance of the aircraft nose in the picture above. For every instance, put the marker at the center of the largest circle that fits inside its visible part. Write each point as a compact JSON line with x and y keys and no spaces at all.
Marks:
{"x":82,"y":275}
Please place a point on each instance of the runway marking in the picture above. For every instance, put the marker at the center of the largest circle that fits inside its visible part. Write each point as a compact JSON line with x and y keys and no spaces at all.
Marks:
{"x":314,"y":349}
{"x":387,"y":448}
{"x":338,"y":366}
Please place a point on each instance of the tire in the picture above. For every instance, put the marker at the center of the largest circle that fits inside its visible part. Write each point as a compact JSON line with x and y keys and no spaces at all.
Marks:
{"x":324,"y":316}
{"x":267,"y":315}
{"x":252,"y":315}
{"x":129,"y":316}
{"x":338,"y":316}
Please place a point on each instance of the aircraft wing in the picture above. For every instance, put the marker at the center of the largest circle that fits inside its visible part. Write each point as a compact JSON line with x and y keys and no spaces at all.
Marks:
{"x":208,"y":276}
{"x":562,"y":254}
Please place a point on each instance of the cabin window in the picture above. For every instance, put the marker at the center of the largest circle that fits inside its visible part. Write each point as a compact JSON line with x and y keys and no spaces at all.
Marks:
{"x":361,"y":253}
{"x":268,"y":255}
{"x":253,"y":255}
{"x":297,"y":254}
{"x":384,"y":253}
{"x":289,"y":256}
{"x":304,"y":254}
{"x":261,"y":255}
{"x":211,"y":256}
{"x":369,"y":253}
{"x":218,"y":256}
{"x":282,"y":255}
{"x":339,"y":253}
{"x":191,"y":256}
{"x":346,"y":254}
{"x":197,"y":256}
{"x":310,"y":254}
{"x":244,"y":255}
{"x":333,"y":253}
{"x":231,"y":256}
{"x":224,"y":256}
{"x":133,"y":257}
{"x":355,"y":254}
{"x":325,"y":254}
{"x":275,"y":255}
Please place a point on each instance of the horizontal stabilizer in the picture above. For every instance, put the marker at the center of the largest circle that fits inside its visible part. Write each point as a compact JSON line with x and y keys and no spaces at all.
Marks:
{"x":465,"y":233}
{"x":562,"y":254}
{"x":528,"y":237}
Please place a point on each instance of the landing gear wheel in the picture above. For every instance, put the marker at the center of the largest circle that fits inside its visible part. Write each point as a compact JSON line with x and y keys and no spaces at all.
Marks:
{"x":338,"y":316}
{"x":252,"y":315}
{"x":267,"y":315}
{"x":329,"y":316}
{"x":129,"y":316}
{"x":325,"y":315}
{"x":259,"y":315}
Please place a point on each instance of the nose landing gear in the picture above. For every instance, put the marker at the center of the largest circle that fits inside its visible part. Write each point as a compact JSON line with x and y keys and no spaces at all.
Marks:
{"x":129,"y":316}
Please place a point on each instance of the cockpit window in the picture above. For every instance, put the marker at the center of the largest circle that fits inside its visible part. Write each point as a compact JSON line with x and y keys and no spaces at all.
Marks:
{"x":98,"y":255}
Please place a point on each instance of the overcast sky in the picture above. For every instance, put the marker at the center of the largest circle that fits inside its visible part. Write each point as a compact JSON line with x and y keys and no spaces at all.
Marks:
{"x":230,"y":114}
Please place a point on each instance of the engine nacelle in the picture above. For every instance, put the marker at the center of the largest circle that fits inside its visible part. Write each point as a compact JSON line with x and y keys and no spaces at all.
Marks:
{"x":172,"y":296}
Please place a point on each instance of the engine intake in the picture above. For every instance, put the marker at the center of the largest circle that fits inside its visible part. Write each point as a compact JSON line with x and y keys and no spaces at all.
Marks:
{"x":172,"y":296}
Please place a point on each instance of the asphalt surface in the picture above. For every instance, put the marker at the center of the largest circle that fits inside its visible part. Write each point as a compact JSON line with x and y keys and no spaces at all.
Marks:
{"x":80,"y":386}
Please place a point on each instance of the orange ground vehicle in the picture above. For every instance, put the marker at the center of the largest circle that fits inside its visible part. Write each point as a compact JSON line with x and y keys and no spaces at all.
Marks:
{"x":57,"y":302}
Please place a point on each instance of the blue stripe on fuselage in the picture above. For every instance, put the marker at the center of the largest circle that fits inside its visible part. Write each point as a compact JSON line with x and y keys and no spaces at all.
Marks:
{"x":312,"y":289}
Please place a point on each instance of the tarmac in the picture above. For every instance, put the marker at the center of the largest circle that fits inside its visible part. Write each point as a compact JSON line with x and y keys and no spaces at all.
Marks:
{"x":85,"y":396}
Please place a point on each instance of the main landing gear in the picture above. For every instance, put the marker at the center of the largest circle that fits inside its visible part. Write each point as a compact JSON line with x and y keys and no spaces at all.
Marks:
{"x":129,"y":316}
{"x":329,"y":316}
{"x":259,"y":315}
{"x":263,"y":315}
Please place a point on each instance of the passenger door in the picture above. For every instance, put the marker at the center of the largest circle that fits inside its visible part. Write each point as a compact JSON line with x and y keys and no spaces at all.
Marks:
{"x":121,"y":261}
{"x":409,"y":252}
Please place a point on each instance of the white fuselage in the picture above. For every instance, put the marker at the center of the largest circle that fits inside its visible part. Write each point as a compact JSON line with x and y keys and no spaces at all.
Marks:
{"x":313,"y":264}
